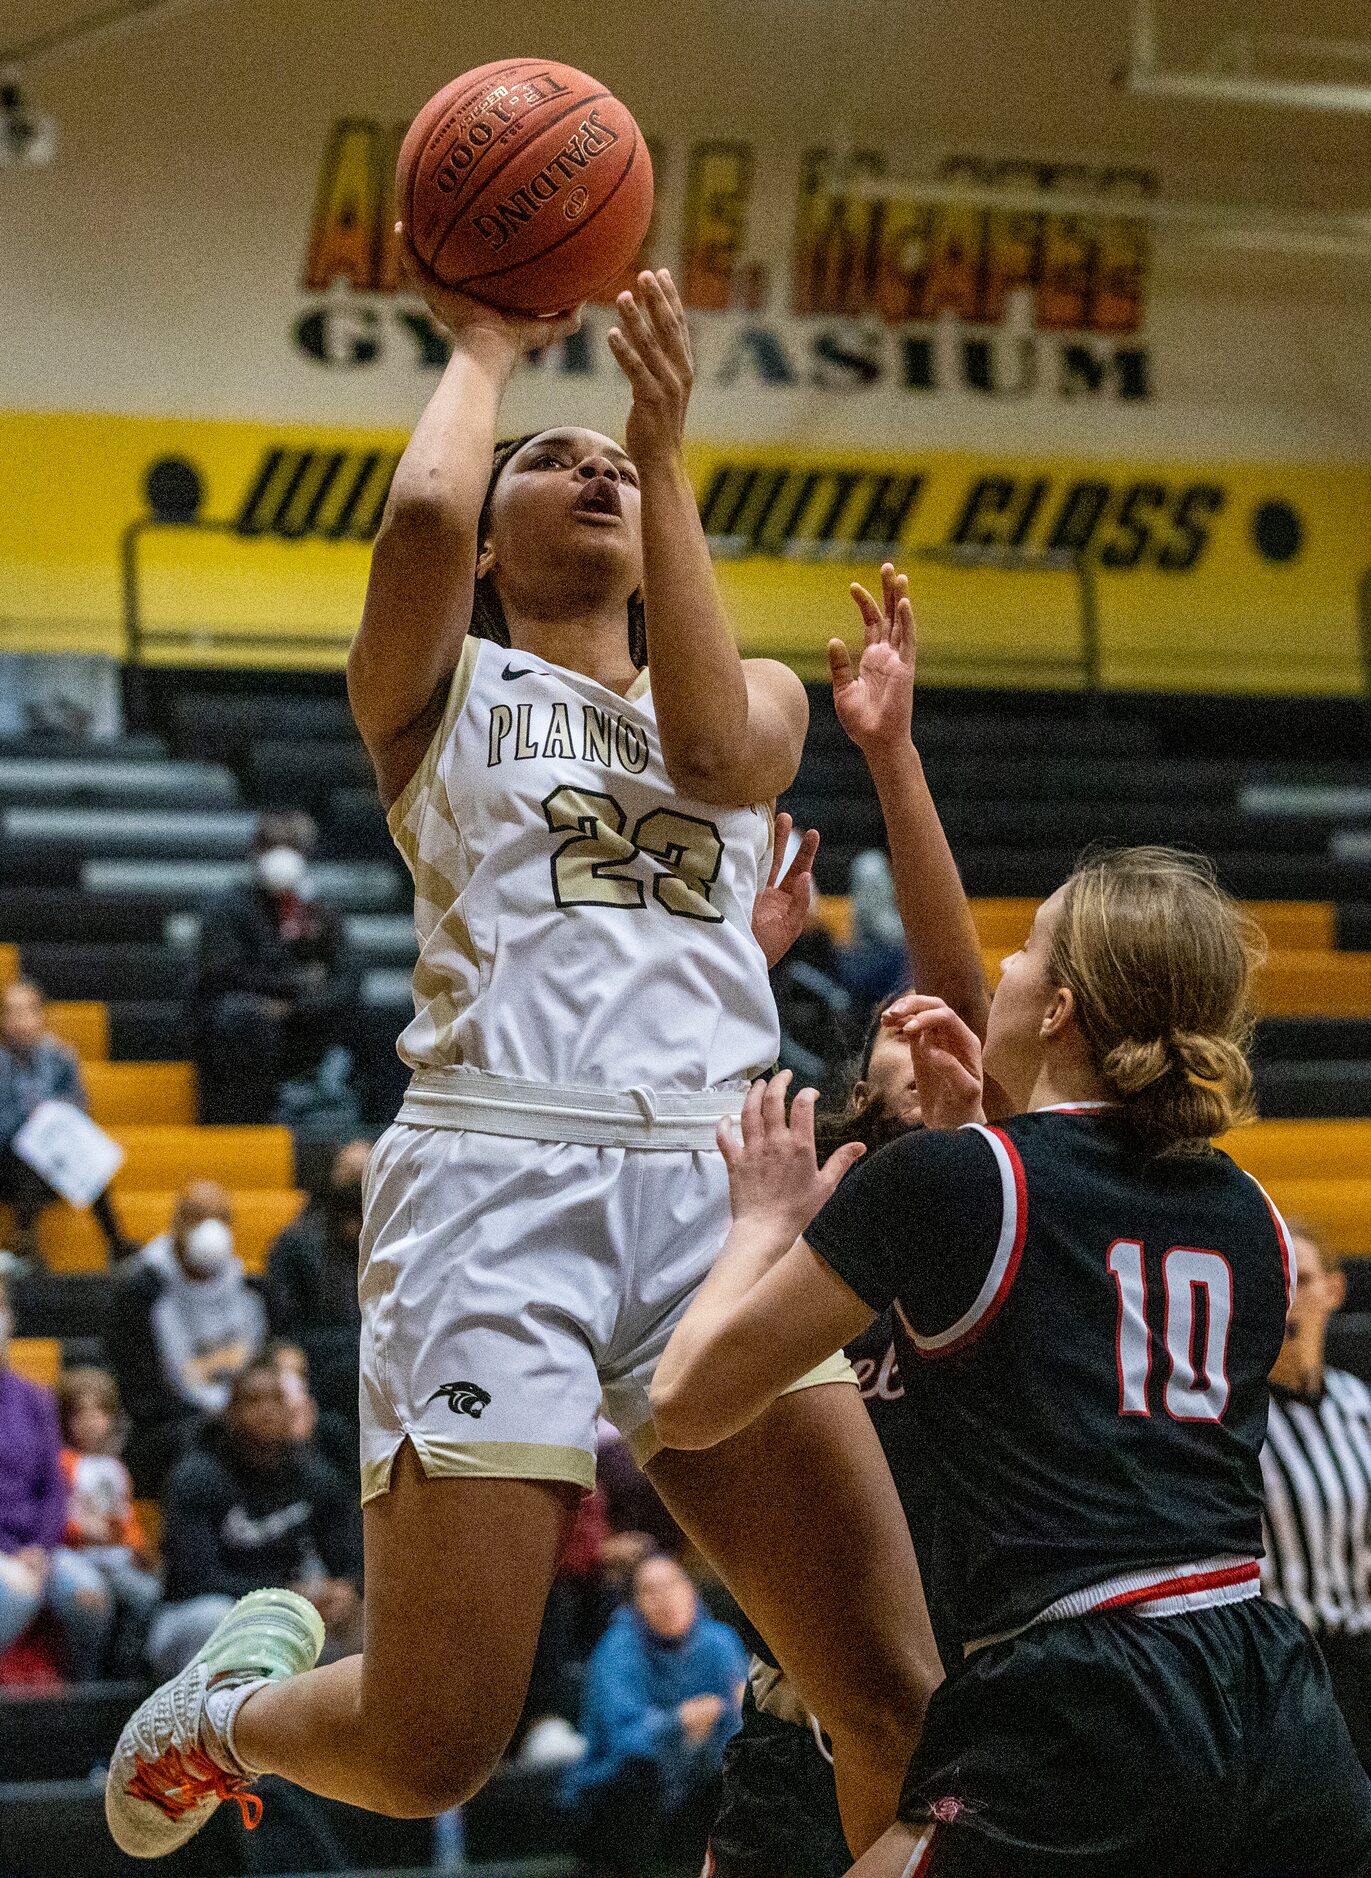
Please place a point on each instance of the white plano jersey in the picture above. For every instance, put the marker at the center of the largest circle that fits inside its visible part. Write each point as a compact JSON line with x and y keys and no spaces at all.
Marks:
{"x":580,"y":923}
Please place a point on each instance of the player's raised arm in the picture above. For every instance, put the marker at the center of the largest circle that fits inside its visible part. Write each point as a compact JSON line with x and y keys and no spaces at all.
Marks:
{"x":874,"y":704}
{"x":423,"y":566}
{"x":732,"y":730}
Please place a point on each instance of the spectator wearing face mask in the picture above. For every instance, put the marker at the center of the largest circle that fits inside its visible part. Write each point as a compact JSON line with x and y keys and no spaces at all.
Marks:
{"x":275,"y":983}
{"x":185,"y":1323}
{"x":37,"y":1067}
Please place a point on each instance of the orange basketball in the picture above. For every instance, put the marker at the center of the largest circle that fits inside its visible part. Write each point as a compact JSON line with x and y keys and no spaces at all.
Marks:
{"x":526,"y":185}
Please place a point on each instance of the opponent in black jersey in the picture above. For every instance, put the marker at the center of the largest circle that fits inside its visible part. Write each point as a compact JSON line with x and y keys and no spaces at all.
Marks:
{"x":778,"y":1809}
{"x":1091,"y":1299}
{"x":778,"y":1814}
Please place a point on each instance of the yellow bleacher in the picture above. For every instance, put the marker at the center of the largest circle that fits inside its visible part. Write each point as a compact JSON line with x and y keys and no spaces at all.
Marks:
{"x":150,"y":1109}
{"x":37,"y":1359}
{"x":84,"y":1026}
{"x":122,"y":1094}
{"x":158,"y":1157}
{"x":1318,"y":1172}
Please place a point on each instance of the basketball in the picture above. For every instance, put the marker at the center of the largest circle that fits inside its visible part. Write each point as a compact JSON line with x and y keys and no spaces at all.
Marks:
{"x":525,"y":184}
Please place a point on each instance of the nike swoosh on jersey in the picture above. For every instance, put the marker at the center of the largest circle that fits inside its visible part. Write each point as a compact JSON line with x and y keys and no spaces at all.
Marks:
{"x":516,"y":671}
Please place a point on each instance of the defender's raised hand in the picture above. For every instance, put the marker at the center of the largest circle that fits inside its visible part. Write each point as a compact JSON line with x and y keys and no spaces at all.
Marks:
{"x":947,"y":1060}
{"x":781,"y":910}
{"x":874,"y":703}
{"x":651,"y":345}
{"x":774,"y":1178}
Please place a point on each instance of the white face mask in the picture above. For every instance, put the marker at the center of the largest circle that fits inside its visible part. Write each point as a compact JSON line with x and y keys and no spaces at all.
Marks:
{"x":208,"y":1247}
{"x":281,"y":869}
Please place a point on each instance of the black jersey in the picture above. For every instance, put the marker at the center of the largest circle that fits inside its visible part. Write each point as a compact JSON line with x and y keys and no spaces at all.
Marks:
{"x":1086,"y":1335}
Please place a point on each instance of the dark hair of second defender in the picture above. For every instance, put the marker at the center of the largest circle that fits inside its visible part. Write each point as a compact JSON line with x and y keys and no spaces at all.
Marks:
{"x":860,"y":1119}
{"x":487,"y":614}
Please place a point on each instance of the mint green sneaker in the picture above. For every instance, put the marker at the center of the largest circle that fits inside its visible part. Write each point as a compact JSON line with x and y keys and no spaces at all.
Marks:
{"x":174,"y":1764}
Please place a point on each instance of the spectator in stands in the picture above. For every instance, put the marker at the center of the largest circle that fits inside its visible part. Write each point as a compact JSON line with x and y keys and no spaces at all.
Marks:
{"x":638,"y":1520}
{"x":579,"y":1605}
{"x":311,"y":1281}
{"x":185,"y":1323}
{"x":336,"y":1436}
{"x":247,"y":1506}
{"x":875,"y":961}
{"x":275,"y":984}
{"x":663,"y":1695}
{"x":36,"y":1067}
{"x":1316,"y":1470}
{"x":38,"y":1573}
{"x":102,"y":1521}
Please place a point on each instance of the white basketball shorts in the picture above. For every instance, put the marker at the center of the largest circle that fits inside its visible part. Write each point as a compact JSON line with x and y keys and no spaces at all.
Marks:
{"x":512,"y":1289}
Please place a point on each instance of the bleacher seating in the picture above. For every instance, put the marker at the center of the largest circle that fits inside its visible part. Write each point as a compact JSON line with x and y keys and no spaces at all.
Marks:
{"x":108,"y":853}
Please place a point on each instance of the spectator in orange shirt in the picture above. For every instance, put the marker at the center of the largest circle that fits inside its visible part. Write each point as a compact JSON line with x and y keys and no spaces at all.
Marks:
{"x":102,"y":1520}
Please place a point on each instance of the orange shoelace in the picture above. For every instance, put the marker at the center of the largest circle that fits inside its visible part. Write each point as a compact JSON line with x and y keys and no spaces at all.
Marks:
{"x":175,"y":1782}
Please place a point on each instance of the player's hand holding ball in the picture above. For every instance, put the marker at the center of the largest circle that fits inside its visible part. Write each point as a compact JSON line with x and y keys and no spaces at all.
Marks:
{"x":652,"y":346}
{"x":875,"y":702}
{"x":524,"y":187}
{"x":471,"y":320}
{"x":774,"y":1179}
{"x":947,"y":1059}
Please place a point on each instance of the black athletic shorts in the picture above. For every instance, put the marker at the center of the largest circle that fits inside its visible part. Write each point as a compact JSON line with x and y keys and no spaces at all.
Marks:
{"x":1202,"y":1746}
{"x":778,"y":1816}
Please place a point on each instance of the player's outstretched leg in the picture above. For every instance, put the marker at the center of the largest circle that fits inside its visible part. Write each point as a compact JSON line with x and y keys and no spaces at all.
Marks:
{"x":457,"y":1574}
{"x":175,"y":1762}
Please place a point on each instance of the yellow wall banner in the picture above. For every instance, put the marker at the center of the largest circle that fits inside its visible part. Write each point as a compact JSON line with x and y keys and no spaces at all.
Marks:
{"x":221,"y":541}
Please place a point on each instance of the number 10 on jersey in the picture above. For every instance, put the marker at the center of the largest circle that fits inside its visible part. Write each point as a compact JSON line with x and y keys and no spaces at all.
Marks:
{"x":1195,"y":1391}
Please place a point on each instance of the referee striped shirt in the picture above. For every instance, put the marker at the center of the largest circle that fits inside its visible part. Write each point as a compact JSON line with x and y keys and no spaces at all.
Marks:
{"x":1316,"y":1469}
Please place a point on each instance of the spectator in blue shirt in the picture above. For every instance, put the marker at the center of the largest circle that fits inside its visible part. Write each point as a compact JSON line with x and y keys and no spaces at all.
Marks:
{"x":34,"y":1068}
{"x":663,"y":1694}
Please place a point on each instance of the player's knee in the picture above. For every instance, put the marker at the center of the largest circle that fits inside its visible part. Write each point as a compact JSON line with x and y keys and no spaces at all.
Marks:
{"x":432,"y":1765}
{"x":882,"y":1722}
{"x":423,"y":1789}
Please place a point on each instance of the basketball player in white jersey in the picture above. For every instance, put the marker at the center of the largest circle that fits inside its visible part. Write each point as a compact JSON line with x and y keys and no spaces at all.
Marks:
{"x":587,"y":836}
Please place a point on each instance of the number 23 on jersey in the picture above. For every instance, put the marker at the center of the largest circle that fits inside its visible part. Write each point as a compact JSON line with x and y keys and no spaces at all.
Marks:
{"x":593,"y":866}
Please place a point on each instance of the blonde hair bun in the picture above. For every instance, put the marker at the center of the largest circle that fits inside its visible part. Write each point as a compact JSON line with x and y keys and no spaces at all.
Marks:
{"x":1159,"y":961}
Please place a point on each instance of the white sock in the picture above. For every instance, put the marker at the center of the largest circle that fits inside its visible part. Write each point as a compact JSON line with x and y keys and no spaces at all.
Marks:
{"x":222,"y":1703}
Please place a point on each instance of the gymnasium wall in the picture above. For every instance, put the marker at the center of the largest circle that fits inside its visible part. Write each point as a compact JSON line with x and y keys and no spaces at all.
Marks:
{"x":203,"y":290}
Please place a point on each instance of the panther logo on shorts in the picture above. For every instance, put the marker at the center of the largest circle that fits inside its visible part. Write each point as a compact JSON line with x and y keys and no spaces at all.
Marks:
{"x":464,"y":1398}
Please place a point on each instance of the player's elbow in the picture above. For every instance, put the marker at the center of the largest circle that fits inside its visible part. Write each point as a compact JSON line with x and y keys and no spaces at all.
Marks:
{"x":720,"y":777}
{"x":707,"y":774}
{"x":421,"y":511}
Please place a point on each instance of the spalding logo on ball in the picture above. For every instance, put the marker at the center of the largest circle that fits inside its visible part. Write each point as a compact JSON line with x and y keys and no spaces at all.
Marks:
{"x":525,"y":184}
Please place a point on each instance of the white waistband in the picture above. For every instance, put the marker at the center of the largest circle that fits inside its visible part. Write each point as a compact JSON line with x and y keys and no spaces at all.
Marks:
{"x":1161,"y":1591}
{"x":675,"y":1120}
